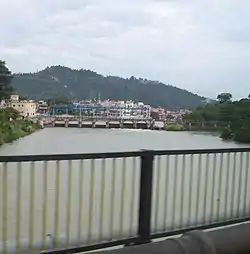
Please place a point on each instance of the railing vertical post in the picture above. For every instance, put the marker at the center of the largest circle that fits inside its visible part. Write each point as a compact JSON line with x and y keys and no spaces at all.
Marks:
{"x":146,"y":183}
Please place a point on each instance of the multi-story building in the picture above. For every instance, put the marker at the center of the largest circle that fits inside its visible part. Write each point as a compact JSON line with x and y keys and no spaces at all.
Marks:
{"x":115,"y":109}
{"x":42,"y":107}
{"x":26,"y":108}
{"x":159,"y":113}
{"x":130,"y":109}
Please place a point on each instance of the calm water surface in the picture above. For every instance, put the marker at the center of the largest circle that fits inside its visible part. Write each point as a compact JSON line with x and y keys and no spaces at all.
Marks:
{"x":74,"y":140}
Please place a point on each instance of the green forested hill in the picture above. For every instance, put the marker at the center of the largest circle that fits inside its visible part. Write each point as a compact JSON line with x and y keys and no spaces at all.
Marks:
{"x":57,"y":81}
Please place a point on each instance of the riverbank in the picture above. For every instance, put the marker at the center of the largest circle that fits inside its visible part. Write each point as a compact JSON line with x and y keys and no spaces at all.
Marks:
{"x":12,"y":127}
{"x":203,"y":128}
{"x":234,"y":114}
{"x":174,"y":127}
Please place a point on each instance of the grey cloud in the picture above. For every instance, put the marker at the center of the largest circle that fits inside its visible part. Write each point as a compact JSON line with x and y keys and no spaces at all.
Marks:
{"x":237,"y":35}
{"x":194,"y":44}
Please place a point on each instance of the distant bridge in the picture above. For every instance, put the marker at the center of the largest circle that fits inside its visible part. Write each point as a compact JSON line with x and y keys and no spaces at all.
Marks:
{"x":101,"y":122}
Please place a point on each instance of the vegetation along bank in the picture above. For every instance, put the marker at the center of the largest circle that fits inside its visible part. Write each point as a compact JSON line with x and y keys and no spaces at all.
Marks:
{"x":13,"y":127}
{"x":234,"y":116}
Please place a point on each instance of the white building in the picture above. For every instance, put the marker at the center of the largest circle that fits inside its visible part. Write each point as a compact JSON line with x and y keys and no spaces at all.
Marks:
{"x":26,"y":108}
{"x":135,"y":110}
{"x":14,"y":97}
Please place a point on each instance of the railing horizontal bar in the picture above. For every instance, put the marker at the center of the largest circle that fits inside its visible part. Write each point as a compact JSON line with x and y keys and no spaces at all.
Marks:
{"x":201,"y":227}
{"x":154,"y":236}
{"x":99,"y":246}
{"x":201,"y":151}
{"x":65,"y":157}
{"x":85,"y":156}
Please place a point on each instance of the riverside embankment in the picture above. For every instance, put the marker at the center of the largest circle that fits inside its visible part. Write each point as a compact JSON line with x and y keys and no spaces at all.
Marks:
{"x":13,"y":127}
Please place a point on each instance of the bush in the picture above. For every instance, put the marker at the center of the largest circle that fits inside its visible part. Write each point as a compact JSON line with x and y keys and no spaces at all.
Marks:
{"x":16,"y":128}
{"x":235,"y":114}
{"x":174,"y":127}
{"x":242,"y":135}
{"x":227,"y":134}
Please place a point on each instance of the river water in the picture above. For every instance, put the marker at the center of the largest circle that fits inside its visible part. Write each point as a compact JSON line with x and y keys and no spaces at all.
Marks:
{"x":180,"y":204}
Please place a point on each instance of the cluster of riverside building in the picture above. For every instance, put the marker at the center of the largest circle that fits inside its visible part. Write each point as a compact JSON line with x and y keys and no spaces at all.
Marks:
{"x":26,"y":108}
{"x":107,"y":108}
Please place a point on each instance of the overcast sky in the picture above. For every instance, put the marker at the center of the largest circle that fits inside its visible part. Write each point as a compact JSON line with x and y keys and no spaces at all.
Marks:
{"x":202,"y":46}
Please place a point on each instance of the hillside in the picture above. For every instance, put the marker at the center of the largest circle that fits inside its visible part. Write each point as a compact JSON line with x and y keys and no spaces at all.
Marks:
{"x":85,"y":84}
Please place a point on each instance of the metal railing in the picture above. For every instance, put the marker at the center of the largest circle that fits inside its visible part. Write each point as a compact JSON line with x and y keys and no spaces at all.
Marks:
{"x":83,"y":202}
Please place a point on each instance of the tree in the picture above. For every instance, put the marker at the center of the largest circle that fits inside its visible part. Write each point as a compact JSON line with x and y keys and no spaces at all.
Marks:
{"x":7,"y":113}
{"x":234,"y":116}
{"x":5,"y":79}
{"x":224,"y":97}
{"x":60,"y":100}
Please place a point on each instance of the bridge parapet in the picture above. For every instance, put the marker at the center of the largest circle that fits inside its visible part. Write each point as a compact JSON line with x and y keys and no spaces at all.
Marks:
{"x":123,"y":198}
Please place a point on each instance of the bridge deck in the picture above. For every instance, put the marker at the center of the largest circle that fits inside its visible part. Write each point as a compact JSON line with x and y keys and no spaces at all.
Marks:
{"x":233,"y":239}
{"x":152,"y":248}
